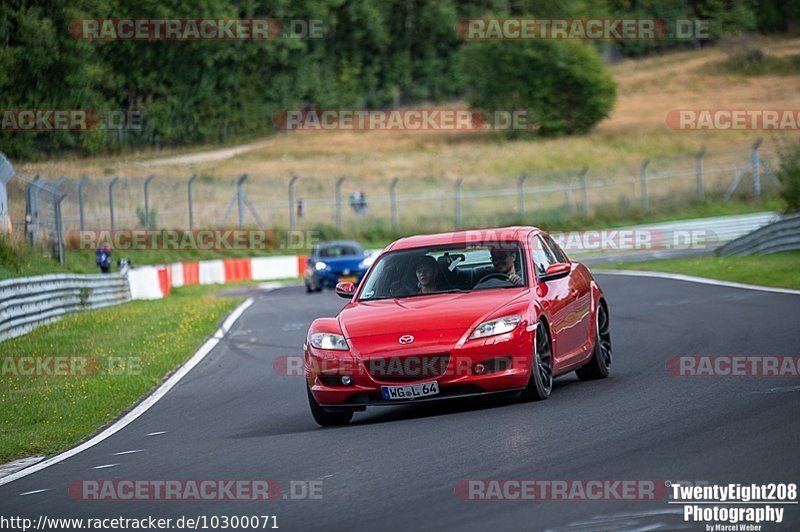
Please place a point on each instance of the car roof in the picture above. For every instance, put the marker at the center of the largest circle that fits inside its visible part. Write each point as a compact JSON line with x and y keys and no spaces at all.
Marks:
{"x":333,"y":243}
{"x":513,"y":233}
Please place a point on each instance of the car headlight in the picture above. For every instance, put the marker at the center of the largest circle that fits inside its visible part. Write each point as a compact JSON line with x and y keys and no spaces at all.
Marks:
{"x":367,"y":262}
{"x":320,"y":266}
{"x":497,"y":326}
{"x":329,"y":341}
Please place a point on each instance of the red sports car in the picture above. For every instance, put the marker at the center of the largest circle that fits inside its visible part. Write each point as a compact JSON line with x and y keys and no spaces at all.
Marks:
{"x":456,"y":315}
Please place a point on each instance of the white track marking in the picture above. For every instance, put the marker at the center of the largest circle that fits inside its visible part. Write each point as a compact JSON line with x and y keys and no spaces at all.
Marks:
{"x":159,"y":433}
{"x":142,"y":407}
{"x":106,"y":466}
{"x":128,"y":452}
{"x":16,"y":465}
{"x":701,"y":280}
{"x":34,"y":492}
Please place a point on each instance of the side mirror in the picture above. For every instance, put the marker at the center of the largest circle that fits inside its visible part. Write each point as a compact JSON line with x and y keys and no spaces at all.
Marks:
{"x":555,"y":271}
{"x":345,"y":290}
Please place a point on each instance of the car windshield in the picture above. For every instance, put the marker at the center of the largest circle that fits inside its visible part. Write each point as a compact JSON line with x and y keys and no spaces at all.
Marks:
{"x":445,"y":269}
{"x":339,"y":250}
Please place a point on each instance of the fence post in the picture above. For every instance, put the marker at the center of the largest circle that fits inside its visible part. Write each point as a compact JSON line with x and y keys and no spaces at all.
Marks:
{"x":339,"y":202}
{"x":59,"y":229}
{"x":584,"y":191}
{"x":698,"y":172}
{"x":189,"y":191}
{"x":147,"y":202}
{"x":458,"y":202}
{"x":240,"y":198}
{"x":81,"y":184}
{"x":643,"y":179}
{"x":111,"y":199}
{"x":521,"y":194}
{"x":393,"y":201}
{"x":756,"y":161}
{"x":292,"y":182}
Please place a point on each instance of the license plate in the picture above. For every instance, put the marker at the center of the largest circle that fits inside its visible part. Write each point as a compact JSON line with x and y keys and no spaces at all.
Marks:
{"x":411,"y":391}
{"x":347,"y":279}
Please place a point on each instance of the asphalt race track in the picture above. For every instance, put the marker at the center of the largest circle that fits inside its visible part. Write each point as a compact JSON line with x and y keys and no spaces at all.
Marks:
{"x":233,"y":417}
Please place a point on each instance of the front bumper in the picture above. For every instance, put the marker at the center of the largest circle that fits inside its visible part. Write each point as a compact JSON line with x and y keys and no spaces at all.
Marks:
{"x":506,"y":361}
{"x":328,"y":279}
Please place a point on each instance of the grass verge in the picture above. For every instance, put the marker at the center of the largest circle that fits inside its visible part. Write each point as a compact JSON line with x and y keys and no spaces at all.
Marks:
{"x":125,"y":351}
{"x":777,"y":270}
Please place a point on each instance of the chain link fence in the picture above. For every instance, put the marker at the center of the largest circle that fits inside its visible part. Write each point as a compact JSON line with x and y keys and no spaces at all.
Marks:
{"x":41,"y":209}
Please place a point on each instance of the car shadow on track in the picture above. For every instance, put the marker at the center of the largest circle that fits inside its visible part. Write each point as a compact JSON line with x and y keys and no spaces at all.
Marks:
{"x":292,"y":423}
{"x":449,"y":407}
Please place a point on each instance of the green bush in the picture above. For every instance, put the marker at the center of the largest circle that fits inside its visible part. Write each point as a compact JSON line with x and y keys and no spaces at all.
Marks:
{"x":562,"y":86}
{"x":789,"y":176}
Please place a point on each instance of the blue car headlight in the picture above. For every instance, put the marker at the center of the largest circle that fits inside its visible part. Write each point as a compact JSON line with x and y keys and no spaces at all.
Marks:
{"x":319,"y":266}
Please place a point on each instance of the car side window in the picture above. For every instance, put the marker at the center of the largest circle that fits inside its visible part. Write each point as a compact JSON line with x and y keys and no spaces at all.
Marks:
{"x":542,"y":255}
{"x":556,"y":249}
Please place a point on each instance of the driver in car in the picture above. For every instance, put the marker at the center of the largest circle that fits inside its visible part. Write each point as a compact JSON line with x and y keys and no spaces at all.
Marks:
{"x":504,"y":262}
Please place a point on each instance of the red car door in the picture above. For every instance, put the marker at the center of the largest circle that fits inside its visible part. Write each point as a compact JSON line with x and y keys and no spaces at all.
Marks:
{"x":581,"y":294}
{"x":557,"y":297}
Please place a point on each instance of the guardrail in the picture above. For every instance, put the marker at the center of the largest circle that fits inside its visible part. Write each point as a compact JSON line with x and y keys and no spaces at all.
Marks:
{"x":783,"y":235}
{"x":28,"y":302}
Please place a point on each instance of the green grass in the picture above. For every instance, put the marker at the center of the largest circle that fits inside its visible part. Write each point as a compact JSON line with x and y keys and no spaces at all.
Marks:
{"x":44,"y":415}
{"x":780,"y":270}
{"x":757,"y":63}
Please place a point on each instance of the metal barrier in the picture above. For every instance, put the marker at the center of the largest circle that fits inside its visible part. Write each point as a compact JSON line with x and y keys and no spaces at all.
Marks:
{"x":783,"y":235}
{"x":29,"y":302}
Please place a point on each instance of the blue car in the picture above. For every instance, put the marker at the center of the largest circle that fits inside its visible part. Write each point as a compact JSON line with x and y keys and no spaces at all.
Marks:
{"x":335,"y":262}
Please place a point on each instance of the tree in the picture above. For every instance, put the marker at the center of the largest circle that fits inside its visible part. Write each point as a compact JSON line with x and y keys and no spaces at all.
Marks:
{"x":561,"y":85}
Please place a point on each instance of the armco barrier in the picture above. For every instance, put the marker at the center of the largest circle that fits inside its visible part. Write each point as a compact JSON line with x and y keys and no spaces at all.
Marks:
{"x":29,"y":302}
{"x":783,"y":235}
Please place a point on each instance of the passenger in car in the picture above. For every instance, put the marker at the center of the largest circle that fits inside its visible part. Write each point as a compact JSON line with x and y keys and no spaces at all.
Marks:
{"x":426,"y":270}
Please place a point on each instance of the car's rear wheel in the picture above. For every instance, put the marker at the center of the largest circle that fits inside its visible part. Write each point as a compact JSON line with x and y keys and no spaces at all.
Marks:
{"x":598,"y":366}
{"x":540,"y":383}
{"x":325,"y":418}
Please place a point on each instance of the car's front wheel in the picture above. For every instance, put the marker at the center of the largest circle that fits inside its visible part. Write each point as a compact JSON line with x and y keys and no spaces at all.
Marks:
{"x":325,"y":418}
{"x":540,"y":382}
{"x":598,"y":366}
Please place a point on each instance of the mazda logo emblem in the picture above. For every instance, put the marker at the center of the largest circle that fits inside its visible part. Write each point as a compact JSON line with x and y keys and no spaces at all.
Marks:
{"x":406,"y":339}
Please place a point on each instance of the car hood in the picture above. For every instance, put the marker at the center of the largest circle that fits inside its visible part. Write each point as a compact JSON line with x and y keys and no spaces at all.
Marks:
{"x":347,"y":261}
{"x":423,"y":313}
